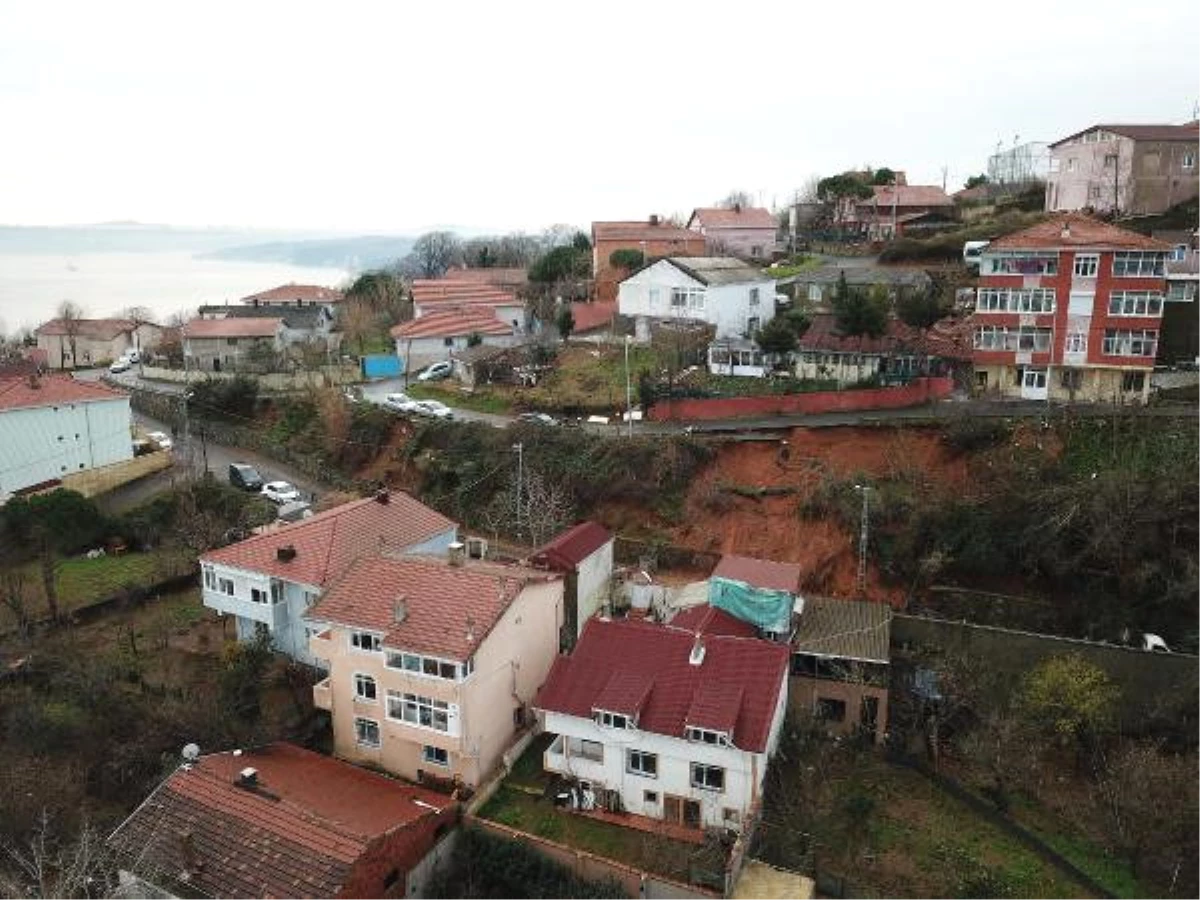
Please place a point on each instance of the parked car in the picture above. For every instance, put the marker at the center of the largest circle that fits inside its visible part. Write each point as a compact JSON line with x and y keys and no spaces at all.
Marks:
{"x":537,"y":418}
{"x":120,"y":364}
{"x":436,"y":371}
{"x":401,"y":403}
{"x":433,"y":408}
{"x":245,"y":476}
{"x":280,"y":492}
{"x":133,"y":356}
{"x":162,"y":439}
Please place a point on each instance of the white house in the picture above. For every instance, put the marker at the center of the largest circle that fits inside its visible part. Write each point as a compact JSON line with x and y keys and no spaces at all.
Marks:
{"x":732,"y":295}
{"x":51,"y":426}
{"x":584,"y":554}
{"x":310,"y":323}
{"x":668,"y":722}
{"x":269,"y":580}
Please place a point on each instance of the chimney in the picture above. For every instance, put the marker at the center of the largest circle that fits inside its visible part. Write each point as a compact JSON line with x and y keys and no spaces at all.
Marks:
{"x":247,"y":778}
{"x":737,"y":207}
{"x":285,"y":554}
{"x":456,"y":553}
{"x":654,"y":218}
{"x":400,"y":610}
{"x":696,"y":657}
{"x":1066,"y":231}
{"x":382,"y":497}
{"x":187,"y":847}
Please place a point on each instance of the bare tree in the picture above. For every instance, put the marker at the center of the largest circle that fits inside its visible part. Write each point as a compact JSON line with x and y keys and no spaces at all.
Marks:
{"x":48,"y":867}
{"x":357,"y":319}
{"x":434,"y":252}
{"x":14,"y":597}
{"x":736,"y":199}
{"x":139,"y":316}
{"x":70,"y":315}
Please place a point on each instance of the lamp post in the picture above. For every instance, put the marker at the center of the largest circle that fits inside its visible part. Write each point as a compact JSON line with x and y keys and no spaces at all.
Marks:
{"x":628,"y":387}
{"x":865,"y":490}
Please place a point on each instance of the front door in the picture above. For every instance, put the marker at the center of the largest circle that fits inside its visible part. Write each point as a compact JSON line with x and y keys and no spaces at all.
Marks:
{"x":1033,"y":384}
{"x":673,"y":809}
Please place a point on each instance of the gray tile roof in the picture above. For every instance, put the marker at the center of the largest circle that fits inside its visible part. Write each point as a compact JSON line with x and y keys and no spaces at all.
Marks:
{"x":862,"y":276}
{"x":715,"y":270}
{"x":845,"y":629}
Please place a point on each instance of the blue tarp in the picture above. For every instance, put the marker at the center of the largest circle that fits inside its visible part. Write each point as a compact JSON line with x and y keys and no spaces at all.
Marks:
{"x":382,"y":365}
{"x":767,"y":609}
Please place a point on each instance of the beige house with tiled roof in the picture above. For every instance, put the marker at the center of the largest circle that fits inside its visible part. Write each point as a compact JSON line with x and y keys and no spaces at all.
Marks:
{"x":433,"y":662}
{"x":93,"y":342}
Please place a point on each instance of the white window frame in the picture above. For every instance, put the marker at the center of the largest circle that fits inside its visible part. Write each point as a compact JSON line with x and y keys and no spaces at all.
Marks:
{"x":1178,"y":253}
{"x":612,"y":719}
{"x":358,"y":637}
{"x":707,"y":736}
{"x":277,"y":591}
{"x":1144,"y":304}
{"x":1036,"y":301}
{"x":1139,"y":264}
{"x":363,"y":729}
{"x":1140,"y":343}
{"x":1179,"y":291}
{"x":1019,"y":262}
{"x":1127,"y":377}
{"x":754,"y":296}
{"x":1076,"y":342}
{"x":1189,"y":160}
{"x":210,"y":578}
{"x":1086,"y":265}
{"x":412,"y":708}
{"x":225,"y":586}
{"x":418,"y":665}
{"x":430,"y":753}
{"x":701,"y":777}
{"x":362,"y":683}
{"x":641,"y":763}
{"x":687,"y":298}
{"x":814,"y":293}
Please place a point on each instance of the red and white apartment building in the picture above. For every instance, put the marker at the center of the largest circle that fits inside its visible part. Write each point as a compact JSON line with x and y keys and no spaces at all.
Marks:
{"x":1069,"y":309}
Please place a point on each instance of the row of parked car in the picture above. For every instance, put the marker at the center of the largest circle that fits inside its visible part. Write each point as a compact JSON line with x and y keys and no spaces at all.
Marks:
{"x":125,"y":361}
{"x":246,"y":477}
{"x":402,"y":403}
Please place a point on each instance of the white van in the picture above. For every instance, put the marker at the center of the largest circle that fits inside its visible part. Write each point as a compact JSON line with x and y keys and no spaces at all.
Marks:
{"x":973,"y":253}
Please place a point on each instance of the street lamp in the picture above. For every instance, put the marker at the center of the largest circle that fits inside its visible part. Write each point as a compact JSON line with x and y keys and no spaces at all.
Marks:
{"x":628,"y":387}
{"x":865,"y":490}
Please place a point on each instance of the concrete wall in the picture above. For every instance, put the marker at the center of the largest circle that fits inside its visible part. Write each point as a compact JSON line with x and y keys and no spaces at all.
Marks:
{"x":592,"y":583}
{"x":921,"y":390}
{"x":92,"y":482}
{"x":273,"y":381}
{"x":396,"y":855}
{"x":804,"y":693}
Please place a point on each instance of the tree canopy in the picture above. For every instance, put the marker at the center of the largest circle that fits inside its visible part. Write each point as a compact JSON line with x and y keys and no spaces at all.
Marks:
{"x":845,"y":185}
{"x":777,"y":336}
{"x":561,"y":263}
{"x":977,"y":181}
{"x":860,"y":312}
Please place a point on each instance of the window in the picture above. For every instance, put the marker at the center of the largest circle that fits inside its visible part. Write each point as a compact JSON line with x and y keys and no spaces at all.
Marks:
{"x":448,"y":342}
{"x":814,"y":293}
{"x":1071,"y":379}
{"x":990,"y":337}
{"x":649,"y":796}
{"x":731,"y":815}
{"x":1138,"y":264}
{"x":414,"y":709}
{"x":1181,"y":291}
{"x":1019,"y":262}
{"x":1076,"y":342}
{"x":210,"y":580}
{"x":756,"y":249}
{"x":752,"y":324}
{"x":1094,"y":192}
{"x":1018,"y":300}
{"x":257,"y":595}
{"x":366,"y":732}
{"x":1130,"y":343}
{"x":589,"y":750}
{"x":831,"y":710}
{"x":687,"y":298}
{"x":311,"y":597}
{"x":754,"y":296}
{"x":706,"y":736}
{"x":423,"y":665}
{"x":1071,"y":164}
{"x":364,"y":640}
{"x":225,"y":586}
{"x":364,"y":687}
{"x":1133,"y":382}
{"x":1055,"y":163}
{"x":1179,"y":254}
{"x":276,"y":591}
{"x":652,"y":294}
{"x":638,"y":762}
{"x":612,"y":720}
{"x":1135,"y":303}
{"x":708,"y":778}
{"x":1189,"y":160}
{"x":231,"y":342}
{"x":1033,"y":339}
{"x":437,"y":756}
{"x":1110,"y":160}
{"x":1086,"y":265}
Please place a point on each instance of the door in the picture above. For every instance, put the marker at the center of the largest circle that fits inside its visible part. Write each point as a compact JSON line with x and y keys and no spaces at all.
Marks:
{"x":673,"y":809}
{"x":1033,"y":384}
{"x":691,"y":813}
{"x":869,"y":715}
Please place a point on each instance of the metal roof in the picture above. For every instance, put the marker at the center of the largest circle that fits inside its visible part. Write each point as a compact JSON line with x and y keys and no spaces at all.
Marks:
{"x":845,"y":629}
{"x":715,"y":270}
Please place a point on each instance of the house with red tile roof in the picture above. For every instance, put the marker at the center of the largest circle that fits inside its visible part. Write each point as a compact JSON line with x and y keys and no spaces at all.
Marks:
{"x":747,"y":232}
{"x":230,"y":344}
{"x":282,"y":821}
{"x":90,"y":342}
{"x":665,"y":721}
{"x":296,"y":295}
{"x":895,"y":210}
{"x":445,"y":294}
{"x":653,"y":238}
{"x":1132,"y":169}
{"x":584,"y":554}
{"x":434,"y":661}
{"x":1069,"y":309}
{"x":52,"y":426}
{"x":268,"y":581}
{"x":440,"y":334}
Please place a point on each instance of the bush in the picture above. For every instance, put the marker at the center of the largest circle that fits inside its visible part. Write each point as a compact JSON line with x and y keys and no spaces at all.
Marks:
{"x":972,"y":434}
{"x":225,"y":398}
{"x":626,"y":259}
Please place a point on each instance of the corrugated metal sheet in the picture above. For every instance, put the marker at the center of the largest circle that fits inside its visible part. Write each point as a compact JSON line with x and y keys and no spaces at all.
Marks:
{"x":846,"y":629}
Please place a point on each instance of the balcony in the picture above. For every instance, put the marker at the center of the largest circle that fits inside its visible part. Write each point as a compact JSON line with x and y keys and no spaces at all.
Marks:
{"x":572,"y":756}
{"x":323,"y":695}
{"x":273,"y":615}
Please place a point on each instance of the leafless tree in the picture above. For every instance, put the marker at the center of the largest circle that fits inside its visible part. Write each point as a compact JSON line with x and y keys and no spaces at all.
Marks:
{"x":434,"y":252}
{"x":736,"y":199}
{"x":808,"y":192}
{"x":558,"y":236}
{"x":48,"y":867}
{"x":357,"y":319}
{"x":14,"y":597}
{"x":139,"y":316}
{"x":70,"y":314}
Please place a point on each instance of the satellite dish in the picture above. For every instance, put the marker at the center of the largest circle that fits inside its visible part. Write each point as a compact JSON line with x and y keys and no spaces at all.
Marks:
{"x":191,"y":753}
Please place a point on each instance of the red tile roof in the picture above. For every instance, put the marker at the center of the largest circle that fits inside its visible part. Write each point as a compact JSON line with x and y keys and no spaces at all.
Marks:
{"x":452,"y":323}
{"x":448,"y":609}
{"x":948,"y":339}
{"x":426,"y":292}
{"x":589,"y":316}
{"x":1084,"y":232}
{"x":96,"y":329}
{"x":760,"y":573}
{"x":660,"y":655}
{"x":498,"y":276}
{"x":232,"y":328}
{"x":705,"y":619}
{"x":297,"y":835}
{"x":292,"y":293}
{"x":19,"y":392}
{"x":1187,"y":132}
{"x":328,"y":542}
{"x":745,"y":217}
{"x":908,"y":195}
{"x":642,"y":231}
{"x":572,"y":547}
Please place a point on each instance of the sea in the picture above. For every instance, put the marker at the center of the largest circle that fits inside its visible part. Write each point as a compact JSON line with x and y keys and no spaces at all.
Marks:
{"x":32,"y":285}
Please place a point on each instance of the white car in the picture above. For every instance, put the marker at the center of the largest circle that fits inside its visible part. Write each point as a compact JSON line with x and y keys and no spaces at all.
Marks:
{"x":436,"y":371}
{"x":133,"y":356}
{"x":400,"y":403}
{"x":120,"y":364}
{"x":280,"y":492}
{"x":434,"y":409}
{"x":163,"y":440}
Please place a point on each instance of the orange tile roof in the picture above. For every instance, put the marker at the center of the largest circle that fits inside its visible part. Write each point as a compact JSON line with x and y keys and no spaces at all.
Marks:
{"x":307,"y":293}
{"x":449,"y":609}
{"x":1084,"y":232}
{"x":761,"y":573}
{"x":497,"y":276}
{"x":328,"y":542}
{"x":451,"y":323}
{"x":24,"y":392}
{"x":446,"y":291}
{"x":642,"y":231}
{"x":232,"y":328}
{"x":745,"y":217}
{"x":297,"y":835}
{"x":96,"y":329}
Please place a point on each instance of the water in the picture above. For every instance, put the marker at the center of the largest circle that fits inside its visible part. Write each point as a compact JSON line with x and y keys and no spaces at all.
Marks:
{"x":33,"y":285}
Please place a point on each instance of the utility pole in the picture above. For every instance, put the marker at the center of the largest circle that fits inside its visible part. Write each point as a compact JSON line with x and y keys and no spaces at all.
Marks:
{"x":865,"y":489}
{"x":520,"y":480}
{"x":628,"y":388}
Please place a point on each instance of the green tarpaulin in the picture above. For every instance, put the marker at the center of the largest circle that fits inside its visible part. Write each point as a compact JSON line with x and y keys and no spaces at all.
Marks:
{"x":767,"y":609}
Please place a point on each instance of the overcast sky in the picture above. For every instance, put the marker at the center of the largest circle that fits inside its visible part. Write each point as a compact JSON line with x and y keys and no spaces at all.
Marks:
{"x":506,"y":115}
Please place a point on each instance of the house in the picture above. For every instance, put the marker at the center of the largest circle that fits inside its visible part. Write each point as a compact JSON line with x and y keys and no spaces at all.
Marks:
{"x":747,"y":232}
{"x":268,"y":580}
{"x":840,"y":661}
{"x":584,"y":555}
{"x":735,"y":297}
{"x":814,"y":289}
{"x":73,"y":343}
{"x":653,"y":238}
{"x":231,"y":344}
{"x":894,"y":211}
{"x":433,"y":662}
{"x":309,"y":324}
{"x":1069,"y":309}
{"x":667,"y":722}
{"x":737,"y":356}
{"x":53,"y":425}
{"x":1180,"y":338}
{"x":488,"y":364}
{"x":436,"y":335}
{"x":760,"y":592}
{"x":507,"y":278}
{"x":281,"y":821}
{"x":296,"y":295}
{"x":1131,"y":169}
{"x":901,"y":353}
{"x":444,"y":295}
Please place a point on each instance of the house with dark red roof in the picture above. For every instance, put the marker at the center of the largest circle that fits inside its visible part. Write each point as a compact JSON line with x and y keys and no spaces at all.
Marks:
{"x":282,"y":821}
{"x":669,"y":722}
{"x":296,"y":295}
{"x":434,"y":661}
{"x":584,"y":554}
{"x":269,"y":580}
{"x":894,"y":210}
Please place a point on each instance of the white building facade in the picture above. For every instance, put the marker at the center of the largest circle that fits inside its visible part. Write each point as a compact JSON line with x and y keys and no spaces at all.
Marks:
{"x":734,"y":297}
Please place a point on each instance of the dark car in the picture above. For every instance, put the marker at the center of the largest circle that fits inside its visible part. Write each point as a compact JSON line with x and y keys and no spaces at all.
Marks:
{"x":245,"y":477}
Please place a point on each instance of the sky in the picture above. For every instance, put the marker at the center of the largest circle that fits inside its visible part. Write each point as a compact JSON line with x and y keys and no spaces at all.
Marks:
{"x":399,"y":117}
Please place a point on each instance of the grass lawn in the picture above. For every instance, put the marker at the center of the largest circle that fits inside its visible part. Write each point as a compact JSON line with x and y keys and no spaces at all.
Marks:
{"x":486,"y":400}
{"x":795,"y":267}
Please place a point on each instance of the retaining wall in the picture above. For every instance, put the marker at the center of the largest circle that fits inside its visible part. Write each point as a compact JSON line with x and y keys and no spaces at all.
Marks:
{"x":323,"y":376}
{"x":98,"y":481}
